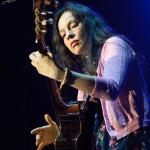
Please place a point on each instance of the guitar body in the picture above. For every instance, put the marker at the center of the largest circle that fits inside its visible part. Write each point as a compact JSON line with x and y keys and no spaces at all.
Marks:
{"x":86,"y":140}
{"x":70,"y":131}
{"x":77,"y":130}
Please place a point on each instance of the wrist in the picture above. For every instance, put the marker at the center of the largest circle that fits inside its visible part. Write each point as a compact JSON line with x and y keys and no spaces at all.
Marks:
{"x":60,"y":75}
{"x":63,"y":78}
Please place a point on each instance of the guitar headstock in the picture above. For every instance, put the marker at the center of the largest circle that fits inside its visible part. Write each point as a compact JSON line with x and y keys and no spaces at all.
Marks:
{"x":44,"y":12}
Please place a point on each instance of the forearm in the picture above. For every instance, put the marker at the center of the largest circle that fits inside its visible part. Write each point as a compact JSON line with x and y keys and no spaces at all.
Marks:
{"x":99,"y":87}
{"x":82,"y":82}
{"x":79,"y":81}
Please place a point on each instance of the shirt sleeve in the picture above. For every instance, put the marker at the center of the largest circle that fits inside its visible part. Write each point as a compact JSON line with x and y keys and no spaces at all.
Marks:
{"x":117,"y":58}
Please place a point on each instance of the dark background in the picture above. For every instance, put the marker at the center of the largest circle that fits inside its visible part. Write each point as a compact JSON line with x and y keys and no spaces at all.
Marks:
{"x":25,"y":97}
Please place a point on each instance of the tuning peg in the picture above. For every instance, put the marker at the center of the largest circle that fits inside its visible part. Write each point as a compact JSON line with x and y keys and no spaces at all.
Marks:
{"x":44,"y":13}
{"x":57,"y":3}
{"x":49,"y":12}
{"x":50,"y":21}
{"x":44,"y":22}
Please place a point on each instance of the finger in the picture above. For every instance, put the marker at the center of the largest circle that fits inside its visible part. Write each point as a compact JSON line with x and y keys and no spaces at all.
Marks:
{"x":32,"y":55}
{"x":37,"y":140}
{"x":35,"y":56}
{"x":50,"y":54}
{"x":41,"y":146}
{"x":38,"y":54}
{"x":48,"y":119}
{"x":33,"y":63}
{"x":36,"y":130}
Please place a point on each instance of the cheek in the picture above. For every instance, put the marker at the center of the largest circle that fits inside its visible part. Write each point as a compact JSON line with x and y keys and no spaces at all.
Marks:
{"x":81,"y":35}
{"x":65,"y":43}
{"x":80,"y":30}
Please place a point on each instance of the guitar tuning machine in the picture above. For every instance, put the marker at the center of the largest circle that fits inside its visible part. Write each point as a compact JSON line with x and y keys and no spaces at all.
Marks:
{"x":44,"y":13}
{"x":44,"y":22}
{"x":50,"y":21}
{"x":57,"y":3}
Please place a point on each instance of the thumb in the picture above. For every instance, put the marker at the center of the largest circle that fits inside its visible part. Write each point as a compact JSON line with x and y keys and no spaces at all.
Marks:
{"x":48,"y":119}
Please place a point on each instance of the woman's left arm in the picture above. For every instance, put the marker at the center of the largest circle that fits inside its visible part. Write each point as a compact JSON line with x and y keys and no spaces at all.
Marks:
{"x":118,"y":61}
{"x":118,"y":58}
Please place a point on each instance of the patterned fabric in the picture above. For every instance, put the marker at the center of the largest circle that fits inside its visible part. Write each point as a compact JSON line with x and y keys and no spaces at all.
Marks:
{"x":100,"y":137}
{"x":137,"y":140}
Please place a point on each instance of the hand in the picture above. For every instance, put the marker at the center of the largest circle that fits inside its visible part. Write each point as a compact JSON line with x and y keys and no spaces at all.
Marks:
{"x":46,"y":135}
{"x":45,"y":65}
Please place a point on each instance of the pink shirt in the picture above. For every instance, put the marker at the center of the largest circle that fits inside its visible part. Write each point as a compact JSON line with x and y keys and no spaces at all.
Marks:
{"x":121,"y":88}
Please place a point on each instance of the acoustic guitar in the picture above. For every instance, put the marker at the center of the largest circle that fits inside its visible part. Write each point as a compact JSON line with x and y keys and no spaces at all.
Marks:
{"x":76,"y":128}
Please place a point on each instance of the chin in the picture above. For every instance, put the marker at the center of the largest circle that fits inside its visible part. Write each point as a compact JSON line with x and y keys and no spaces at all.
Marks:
{"x":78,"y":51}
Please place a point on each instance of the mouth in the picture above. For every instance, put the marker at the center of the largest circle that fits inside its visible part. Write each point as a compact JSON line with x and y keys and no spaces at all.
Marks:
{"x":74,"y":43}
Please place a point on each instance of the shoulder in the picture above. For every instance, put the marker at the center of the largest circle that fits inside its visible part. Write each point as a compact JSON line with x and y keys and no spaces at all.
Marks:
{"x":116,"y":40}
{"x":116,"y":45}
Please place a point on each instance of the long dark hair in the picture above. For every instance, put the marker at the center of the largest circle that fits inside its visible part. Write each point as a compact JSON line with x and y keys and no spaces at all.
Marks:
{"x":96,"y":34}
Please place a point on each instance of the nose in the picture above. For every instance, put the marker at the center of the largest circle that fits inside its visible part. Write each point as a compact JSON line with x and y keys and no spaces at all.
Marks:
{"x":70,"y":34}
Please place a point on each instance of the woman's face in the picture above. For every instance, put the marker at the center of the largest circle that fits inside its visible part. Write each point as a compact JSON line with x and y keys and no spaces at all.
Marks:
{"x":72,"y":32}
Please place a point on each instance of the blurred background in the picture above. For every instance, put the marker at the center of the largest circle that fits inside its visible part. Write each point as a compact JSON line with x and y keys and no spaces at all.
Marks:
{"x":25,"y":97}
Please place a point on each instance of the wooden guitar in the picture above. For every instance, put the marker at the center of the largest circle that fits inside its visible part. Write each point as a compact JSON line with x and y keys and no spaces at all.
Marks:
{"x":68,"y":123}
{"x":76,"y":128}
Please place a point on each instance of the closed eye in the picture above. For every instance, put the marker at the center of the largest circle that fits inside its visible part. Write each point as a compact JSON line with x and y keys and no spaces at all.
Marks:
{"x":74,"y":24}
{"x":63,"y":36}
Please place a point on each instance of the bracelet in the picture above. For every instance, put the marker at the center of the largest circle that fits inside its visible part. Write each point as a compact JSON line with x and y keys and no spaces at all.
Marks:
{"x":64,"y":80}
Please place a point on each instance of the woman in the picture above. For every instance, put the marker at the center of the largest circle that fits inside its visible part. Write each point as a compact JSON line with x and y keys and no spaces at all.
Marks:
{"x":103,"y":65}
